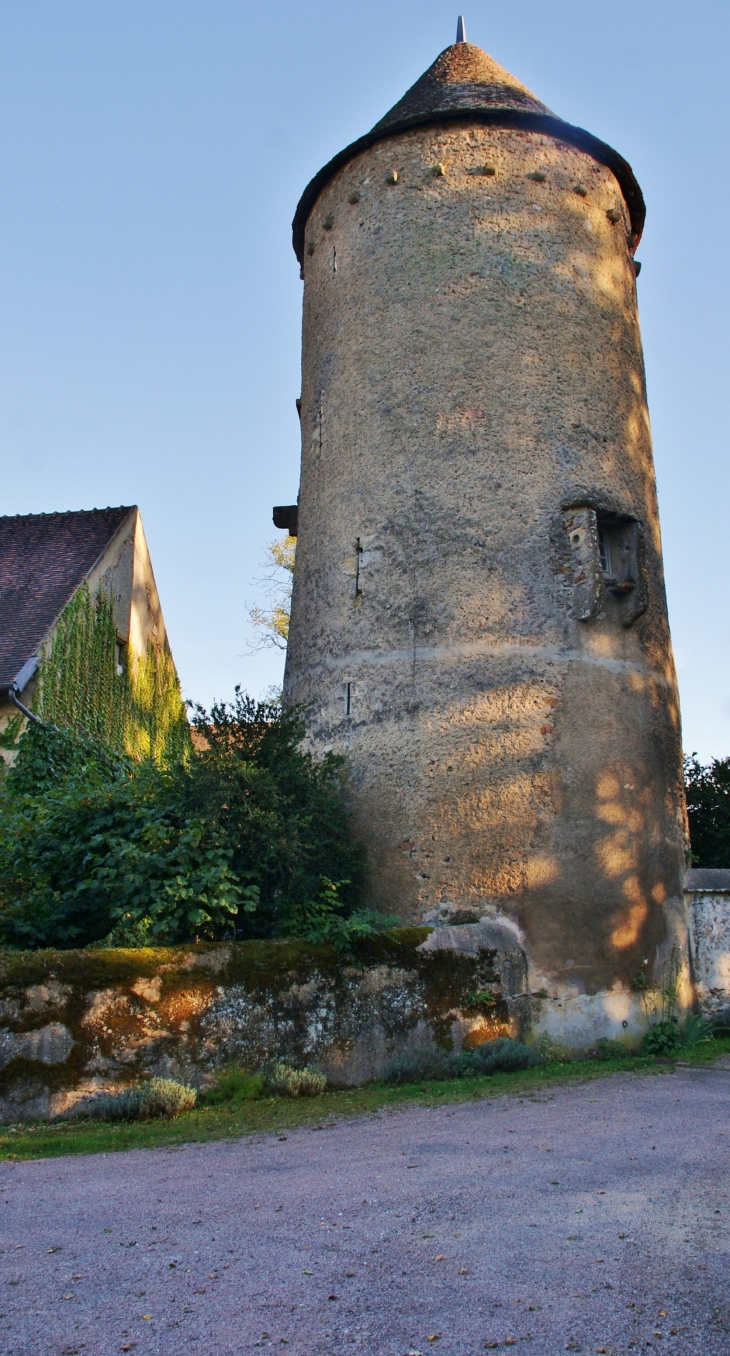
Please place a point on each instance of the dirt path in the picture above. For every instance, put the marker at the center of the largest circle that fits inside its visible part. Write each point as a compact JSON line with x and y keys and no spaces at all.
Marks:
{"x":594,"y":1218}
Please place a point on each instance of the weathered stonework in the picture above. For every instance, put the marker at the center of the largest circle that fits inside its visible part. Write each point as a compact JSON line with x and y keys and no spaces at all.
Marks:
{"x":708,"y":895}
{"x":475,"y":445}
{"x":73,"y":1023}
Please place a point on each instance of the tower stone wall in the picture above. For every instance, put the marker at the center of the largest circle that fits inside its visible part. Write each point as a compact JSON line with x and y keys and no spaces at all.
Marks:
{"x":478,"y":618}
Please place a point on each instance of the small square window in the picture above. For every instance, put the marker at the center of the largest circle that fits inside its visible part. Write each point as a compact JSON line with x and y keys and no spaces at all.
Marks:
{"x":618,"y":551}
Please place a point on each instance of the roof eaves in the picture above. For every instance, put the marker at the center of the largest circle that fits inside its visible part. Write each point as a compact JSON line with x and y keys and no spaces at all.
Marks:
{"x":546,"y":123}
{"x":22,"y":677}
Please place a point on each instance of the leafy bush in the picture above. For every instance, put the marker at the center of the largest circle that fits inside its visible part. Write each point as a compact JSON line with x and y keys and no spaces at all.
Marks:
{"x":90,"y":840}
{"x":151,"y":1100}
{"x":663,"y":1038}
{"x":549,"y":1051}
{"x":282,"y":813}
{"x":708,"y":809}
{"x":247,"y":838}
{"x":416,"y":1065}
{"x":667,"y":1037}
{"x":49,"y":758}
{"x":499,"y":1056}
{"x":283,"y":1081}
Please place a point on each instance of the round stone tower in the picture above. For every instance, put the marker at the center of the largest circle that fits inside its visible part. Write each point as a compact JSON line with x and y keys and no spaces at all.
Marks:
{"x":478,"y":618}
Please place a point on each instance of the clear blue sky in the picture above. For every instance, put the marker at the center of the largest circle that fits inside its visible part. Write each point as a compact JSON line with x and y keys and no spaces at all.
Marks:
{"x":152,"y":154}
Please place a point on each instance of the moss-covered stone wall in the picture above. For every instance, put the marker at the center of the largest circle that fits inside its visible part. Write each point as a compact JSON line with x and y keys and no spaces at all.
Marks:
{"x":75,"y":1022}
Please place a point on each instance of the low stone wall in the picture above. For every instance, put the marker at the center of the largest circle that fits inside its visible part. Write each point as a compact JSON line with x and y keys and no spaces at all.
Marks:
{"x":708,"y":900}
{"x":77,"y":1022}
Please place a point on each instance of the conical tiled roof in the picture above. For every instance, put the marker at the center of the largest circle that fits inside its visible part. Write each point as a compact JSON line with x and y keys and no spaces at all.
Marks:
{"x":464,"y":84}
{"x":462,"y":78}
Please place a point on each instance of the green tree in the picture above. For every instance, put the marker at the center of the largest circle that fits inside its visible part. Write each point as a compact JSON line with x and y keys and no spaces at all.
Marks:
{"x":708,"y":809}
{"x":284,"y":815}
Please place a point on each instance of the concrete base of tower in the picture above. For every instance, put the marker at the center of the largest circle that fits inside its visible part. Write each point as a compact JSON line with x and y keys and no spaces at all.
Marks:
{"x":578,"y":1021}
{"x":561,"y":1009}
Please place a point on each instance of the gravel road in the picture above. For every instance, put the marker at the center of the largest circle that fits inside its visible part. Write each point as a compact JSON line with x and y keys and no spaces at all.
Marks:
{"x":592,"y":1218}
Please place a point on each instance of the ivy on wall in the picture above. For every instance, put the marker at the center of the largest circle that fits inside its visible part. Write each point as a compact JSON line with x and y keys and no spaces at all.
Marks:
{"x":157,"y":726}
{"x":10,"y":734}
{"x":138,"y":711}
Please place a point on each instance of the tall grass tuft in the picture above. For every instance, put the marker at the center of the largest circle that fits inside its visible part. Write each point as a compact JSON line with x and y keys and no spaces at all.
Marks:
{"x":283,"y":1081}
{"x":153,"y":1099}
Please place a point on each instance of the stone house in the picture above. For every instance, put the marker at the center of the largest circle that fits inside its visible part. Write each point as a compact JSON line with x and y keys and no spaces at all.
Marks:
{"x":83,"y":642}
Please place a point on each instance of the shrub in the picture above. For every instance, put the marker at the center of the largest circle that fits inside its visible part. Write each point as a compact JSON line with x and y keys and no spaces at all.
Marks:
{"x":283,"y":1081}
{"x":282,"y":813}
{"x":550,"y":1051}
{"x":668,"y":1037}
{"x":247,"y":838}
{"x":499,"y":1056}
{"x":90,"y":840}
{"x":415,"y":1065}
{"x":151,"y":1100}
{"x":663,"y":1038}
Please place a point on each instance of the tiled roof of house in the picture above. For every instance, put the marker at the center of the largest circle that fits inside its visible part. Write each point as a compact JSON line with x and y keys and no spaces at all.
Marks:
{"x":43,"y":559}
{"x":465,"y":84}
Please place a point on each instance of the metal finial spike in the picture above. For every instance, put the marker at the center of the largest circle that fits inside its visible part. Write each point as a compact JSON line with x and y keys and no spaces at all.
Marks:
{"x":460,"y":29}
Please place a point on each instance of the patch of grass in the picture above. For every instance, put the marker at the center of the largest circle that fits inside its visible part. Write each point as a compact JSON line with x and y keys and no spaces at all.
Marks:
{"x":231,"y":1087}
{"x":705,"y":1052}
{"x":247,"y":1113}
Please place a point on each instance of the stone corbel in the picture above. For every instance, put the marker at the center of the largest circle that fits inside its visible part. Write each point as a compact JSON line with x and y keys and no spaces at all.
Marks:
{"x":581,"y":525}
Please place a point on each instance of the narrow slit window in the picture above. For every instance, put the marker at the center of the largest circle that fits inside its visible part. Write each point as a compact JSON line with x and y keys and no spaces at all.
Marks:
{"x":358,"y":555}
{"x":348,"y":699}
{"x":604,"y":549}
